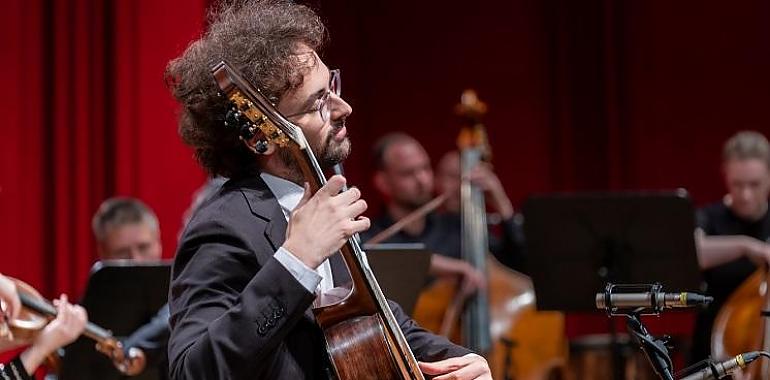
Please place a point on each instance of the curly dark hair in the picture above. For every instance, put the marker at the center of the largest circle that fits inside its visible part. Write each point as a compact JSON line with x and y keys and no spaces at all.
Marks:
{"x":258,"y":39}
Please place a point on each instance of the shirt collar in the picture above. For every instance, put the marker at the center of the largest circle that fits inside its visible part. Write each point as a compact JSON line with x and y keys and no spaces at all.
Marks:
{"x":287,"y":193}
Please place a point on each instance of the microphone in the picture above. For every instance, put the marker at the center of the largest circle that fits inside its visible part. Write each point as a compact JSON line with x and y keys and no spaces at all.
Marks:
{"x":652,"y":300}
{"x":720,"y":370}
{"x":647,"y":297}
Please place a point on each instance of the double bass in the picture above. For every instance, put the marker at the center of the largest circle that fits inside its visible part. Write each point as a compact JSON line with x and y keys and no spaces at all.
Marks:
{"x":499,"y":321}
{"x":363,"y":338}
{"x":741,"y":324}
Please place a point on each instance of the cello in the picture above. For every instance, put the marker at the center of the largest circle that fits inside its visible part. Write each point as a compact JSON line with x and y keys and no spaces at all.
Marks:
{"x":363,"y":338}
{"x":741,"y":324}
{"x":499,"y":321}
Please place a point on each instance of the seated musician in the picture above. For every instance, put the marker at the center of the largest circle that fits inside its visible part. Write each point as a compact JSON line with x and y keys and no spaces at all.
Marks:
{"x":405,"y":179}
{"x":127,"y":229}
{"x":732,"y":234}
{"x":64,"y":329}
{"x":253,"y":257}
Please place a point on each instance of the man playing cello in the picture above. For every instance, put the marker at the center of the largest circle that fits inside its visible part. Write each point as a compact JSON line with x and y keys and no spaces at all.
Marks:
{"x":244,"y":278}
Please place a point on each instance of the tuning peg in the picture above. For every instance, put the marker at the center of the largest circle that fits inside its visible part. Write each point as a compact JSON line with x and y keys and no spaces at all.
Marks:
{"x":232,"y":118}
{"x":248,"y":130}
{"x":261,"y":146}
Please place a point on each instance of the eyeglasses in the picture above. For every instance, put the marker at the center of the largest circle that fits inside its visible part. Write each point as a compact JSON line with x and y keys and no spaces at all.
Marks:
{"x":323,"y":104}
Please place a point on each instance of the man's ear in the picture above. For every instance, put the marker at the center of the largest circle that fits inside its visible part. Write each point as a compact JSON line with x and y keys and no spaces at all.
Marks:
{"x":381,"y":183}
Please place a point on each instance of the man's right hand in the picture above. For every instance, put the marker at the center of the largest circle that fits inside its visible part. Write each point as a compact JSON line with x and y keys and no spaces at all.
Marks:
{"x":322,"y":223}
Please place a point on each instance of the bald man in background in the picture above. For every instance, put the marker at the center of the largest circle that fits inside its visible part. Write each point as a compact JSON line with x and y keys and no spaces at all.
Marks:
{"x":405,"y":179}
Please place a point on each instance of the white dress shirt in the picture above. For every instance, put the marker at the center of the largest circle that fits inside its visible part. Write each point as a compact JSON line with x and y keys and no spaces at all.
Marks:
{"x":288,"y":195}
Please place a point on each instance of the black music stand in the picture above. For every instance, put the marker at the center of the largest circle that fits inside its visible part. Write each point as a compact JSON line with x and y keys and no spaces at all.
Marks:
{"x":401,"y":271}
{"x":577,"y":243}
{"x":121,"y":296}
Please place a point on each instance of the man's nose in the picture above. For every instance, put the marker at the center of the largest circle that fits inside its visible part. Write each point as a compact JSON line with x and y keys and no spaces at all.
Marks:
{"x":340,"y":108}
{"x":425,"y":178}
{"x":746,"y":193}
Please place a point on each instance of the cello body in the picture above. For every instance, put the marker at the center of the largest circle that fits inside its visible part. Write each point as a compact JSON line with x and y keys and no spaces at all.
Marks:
{"x":739,"y":326}
{"x":356,"y":332}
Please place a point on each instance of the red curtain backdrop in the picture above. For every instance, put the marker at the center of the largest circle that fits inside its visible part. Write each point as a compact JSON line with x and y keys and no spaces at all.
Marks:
{"x":596,"y":94}
{"x":86,"y":116}
{"x":589,"y":95}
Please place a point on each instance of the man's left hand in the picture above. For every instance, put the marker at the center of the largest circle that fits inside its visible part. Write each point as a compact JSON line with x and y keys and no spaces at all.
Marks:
{"x":468,"y":367}
{"x":486,"y":179}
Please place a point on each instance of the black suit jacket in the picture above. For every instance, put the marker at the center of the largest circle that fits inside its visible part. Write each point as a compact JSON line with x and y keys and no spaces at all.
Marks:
{"x":236,"y":312}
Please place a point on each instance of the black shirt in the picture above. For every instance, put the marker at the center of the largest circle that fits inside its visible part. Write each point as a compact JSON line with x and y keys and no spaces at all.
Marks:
{"x":442,"y":235}
{"x":722,"y":280}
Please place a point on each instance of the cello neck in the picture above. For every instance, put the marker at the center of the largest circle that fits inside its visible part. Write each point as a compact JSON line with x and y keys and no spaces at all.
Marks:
{"x":361,"y":274}
{"x":258,"y":114}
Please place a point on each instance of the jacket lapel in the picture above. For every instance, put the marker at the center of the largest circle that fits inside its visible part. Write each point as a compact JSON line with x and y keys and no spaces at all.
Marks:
{"x":275,"y":231}
{"x":263,"y":205}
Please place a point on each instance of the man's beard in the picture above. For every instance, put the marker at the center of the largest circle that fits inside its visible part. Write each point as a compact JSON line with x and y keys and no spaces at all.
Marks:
{"x":329,"y":153}
{"x":332,"y":152}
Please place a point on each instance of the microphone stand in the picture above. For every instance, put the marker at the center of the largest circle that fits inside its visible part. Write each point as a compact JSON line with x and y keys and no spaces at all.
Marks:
{"x":654,"y":348}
